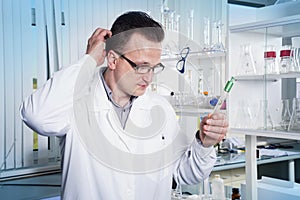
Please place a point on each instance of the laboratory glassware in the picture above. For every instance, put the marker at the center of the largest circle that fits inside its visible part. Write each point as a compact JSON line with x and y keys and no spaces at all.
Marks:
{"x":235,"y":194}
{"x":191,"y":25}
{"x":200,"y":81}
{"x":176,"y":25}
{"x":223,"y":96}
{"x":217,"y":32}
{"x":243,"y":117}
{"x":285,"y":114}
{"x":285,"y":60}
{"x":263,"y":117}
{"x":246,"y":61}
{"x":296,"y":54}
{"x":295,"y":118}
{"x":270,"y":60}
{"x":207,"y":34}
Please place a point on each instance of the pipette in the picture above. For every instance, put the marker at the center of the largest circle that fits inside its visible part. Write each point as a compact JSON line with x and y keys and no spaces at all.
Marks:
{"x":222,"y":98}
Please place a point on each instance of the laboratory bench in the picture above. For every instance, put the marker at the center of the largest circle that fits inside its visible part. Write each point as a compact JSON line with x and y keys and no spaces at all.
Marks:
{"x":275,"y":162}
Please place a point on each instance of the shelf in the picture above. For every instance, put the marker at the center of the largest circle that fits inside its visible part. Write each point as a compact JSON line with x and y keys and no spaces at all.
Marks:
{"x":255,"y":78}
{"x":268,"y":77}
{"x":198,"y":54}
{"x":192,"y":111}
{"x":267,"y":133}
{"x":259,"y":26}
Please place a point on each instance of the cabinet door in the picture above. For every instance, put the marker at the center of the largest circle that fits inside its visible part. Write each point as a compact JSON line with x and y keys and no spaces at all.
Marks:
{"x":256,"y":101}
{"x":248,"y":116}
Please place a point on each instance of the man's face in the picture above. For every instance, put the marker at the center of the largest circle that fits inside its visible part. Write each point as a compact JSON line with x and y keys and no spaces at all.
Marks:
{"x":142,"y":52}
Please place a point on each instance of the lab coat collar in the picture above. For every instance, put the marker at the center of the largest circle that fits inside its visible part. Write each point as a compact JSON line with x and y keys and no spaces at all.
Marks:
{"x":101,"y":101}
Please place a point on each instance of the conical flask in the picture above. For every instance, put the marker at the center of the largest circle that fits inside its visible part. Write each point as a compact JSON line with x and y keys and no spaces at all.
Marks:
{"x":285,"y":114}
{"x":295,"y":118}
{"x":246,"y":61}
{"x":263,"y":117}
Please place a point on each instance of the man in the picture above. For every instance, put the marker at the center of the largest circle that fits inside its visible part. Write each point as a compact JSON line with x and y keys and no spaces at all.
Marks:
{"x":120,"y":141}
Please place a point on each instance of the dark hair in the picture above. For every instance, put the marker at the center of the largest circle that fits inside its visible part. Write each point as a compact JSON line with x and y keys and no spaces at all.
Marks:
{"x":133,"y":22}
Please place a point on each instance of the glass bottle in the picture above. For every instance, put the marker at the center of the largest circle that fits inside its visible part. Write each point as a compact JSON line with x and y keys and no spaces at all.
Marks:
{"x":285,"y":60}
{"x":270,"y":62}
{"x":235,"y":194}
{"x":285,"y":114}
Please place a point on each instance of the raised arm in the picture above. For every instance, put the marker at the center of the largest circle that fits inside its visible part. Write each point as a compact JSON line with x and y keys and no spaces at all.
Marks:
{"x":48,"y":110}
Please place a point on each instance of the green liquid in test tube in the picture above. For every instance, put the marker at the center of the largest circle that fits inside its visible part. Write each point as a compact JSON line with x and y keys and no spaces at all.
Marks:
{"x":222,"y":98}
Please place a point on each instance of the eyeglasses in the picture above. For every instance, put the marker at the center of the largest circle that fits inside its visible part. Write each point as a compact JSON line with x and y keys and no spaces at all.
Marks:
{"x":181,"y":63}
{"x":144,"y":69}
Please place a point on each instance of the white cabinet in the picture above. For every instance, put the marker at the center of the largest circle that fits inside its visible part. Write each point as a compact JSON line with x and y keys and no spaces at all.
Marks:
{"x":255,"y":101}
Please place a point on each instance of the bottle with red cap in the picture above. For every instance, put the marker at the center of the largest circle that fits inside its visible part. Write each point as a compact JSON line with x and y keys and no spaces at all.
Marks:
{"x":285,"y":60}
{"x":270,"y":61}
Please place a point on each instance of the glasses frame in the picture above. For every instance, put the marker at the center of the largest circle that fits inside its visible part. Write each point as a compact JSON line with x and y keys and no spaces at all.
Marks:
{"x":183,"y":56}
{"x":137,"y":67}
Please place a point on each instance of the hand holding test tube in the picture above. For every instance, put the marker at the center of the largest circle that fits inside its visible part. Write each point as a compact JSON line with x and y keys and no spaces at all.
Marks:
{"x":223,"y":96}
{"x":214,"y":126}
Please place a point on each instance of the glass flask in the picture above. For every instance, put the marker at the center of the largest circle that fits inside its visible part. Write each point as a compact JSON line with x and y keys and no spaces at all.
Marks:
{"x":217,"y":39}
{"x":246,"y":61}
{"x":295,"y":54}
{"x":244,"y":117}
{"x":285,"y":114}
{"x":263,"y":117}
{"x":295,"y":118}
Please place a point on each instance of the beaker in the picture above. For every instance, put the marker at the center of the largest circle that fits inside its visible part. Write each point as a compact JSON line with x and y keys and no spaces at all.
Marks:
{"x":295,"y":118}
{"x":246,"y":61}
{"x":285,"y":114}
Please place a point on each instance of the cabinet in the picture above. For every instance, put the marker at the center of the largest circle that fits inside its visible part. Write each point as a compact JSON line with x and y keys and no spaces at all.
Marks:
{"x":255,"y":101}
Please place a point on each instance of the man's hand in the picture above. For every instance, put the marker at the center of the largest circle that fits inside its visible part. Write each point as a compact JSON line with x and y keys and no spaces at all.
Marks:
{"x":213,"y":129}
{"x":95,"y":47}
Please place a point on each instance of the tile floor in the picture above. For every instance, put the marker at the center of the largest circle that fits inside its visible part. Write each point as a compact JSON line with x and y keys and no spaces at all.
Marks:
{"x":33,"y":188}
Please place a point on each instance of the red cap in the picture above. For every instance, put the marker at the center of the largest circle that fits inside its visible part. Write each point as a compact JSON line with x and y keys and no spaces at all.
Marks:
{"x":270,"y":54}
{"x":285,"y":53}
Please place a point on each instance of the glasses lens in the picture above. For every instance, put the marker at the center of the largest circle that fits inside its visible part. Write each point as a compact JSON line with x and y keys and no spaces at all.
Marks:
{"x":143,"y":69}
{"x":184,"y":52}
{"x":180,"y":66}
{"x":146,"y":69}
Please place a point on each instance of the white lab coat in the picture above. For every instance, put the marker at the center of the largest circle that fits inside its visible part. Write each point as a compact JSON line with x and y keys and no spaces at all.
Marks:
{"x":100,"y":159}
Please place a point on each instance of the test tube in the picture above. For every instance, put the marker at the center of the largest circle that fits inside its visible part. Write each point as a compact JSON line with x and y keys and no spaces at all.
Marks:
{"x":222,"y":98}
